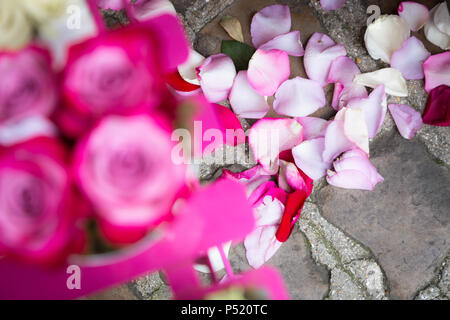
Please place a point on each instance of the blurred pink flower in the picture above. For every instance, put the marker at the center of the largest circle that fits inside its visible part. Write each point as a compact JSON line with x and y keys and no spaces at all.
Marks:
{"x":116,"y":72}
{"x":124,"y":167}
{"x":38,"y":206}
{"x":27,"y":84}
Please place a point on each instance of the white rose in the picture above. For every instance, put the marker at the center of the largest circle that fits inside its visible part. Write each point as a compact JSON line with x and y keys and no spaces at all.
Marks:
{"x":41,"y":10}
{"x":15,"y":27}
{"x":57,"y":32}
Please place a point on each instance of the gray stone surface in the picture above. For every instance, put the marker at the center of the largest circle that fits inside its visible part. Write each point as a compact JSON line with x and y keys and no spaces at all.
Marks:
{"x":405,"y":220}
{"x":303,"y":278}
{"x":439,"y":288}
{"x":354,"y":272}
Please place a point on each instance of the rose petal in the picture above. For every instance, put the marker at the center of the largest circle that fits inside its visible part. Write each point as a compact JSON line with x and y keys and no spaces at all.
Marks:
{"x":299,"y":97}
{"x":437,"y":71}
{"x":308,"y":157}
{"x":111,"y":4}
{"x":188,"y":69}
{"x":437,"y":111}
{"x":267,"y":70}
{"x":331,"y":4}
{"x":385,"y":35}
{"x":392,"y":79}
{"x":414,"y":13}
{"x":245,"y":101}
{"x":342,"y":95}
{"x":408,"y":120}
{"x":270,"y":22}
{"x":262,"y":244}
{"x":374,"y":108}
{"x":342,"y":72}
{"x":268,"y":137}
{"x":434,"y":35}
{"x":335,"y":143}
{"x":356,"y":159}
{"x":289,"y":43}
{"x":252,"y":178}
{"x":319,"y":54}
{"x":143,"y":10}
{"x":441,"y":18}
{"x":349,"y":179}
{"x":409,"y":59}
{"x":216,"y":76}
{"x":312,"y":127}
{"x":355,"y":128}
{"x":290,"y":178}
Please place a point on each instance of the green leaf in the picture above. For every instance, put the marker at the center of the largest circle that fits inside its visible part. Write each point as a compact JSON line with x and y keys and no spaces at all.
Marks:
{"x":239,"y":52}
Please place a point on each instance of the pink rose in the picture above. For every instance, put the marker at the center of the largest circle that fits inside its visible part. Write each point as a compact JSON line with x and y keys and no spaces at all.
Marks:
{"x":27,"y":84}
{"x":116,"y":72}
{"x":124,"y":167}
{"x":38,"y":207}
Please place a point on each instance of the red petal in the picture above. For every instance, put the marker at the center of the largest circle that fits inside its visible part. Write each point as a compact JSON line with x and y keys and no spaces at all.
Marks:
{"x":178,"y":83}
{"x":437,"y":111}
{"x":294,"y":205}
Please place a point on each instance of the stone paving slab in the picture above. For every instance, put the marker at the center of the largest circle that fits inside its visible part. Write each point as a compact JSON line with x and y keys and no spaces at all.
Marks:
{"x":303,"y":278}
{"x":405,"y":220}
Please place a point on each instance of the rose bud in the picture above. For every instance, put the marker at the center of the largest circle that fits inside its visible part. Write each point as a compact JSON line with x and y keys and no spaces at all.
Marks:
{"x":27,"y":84}
{"x":38,"y":207}
{"x":117,"y":72}
{"x":124,"y":167}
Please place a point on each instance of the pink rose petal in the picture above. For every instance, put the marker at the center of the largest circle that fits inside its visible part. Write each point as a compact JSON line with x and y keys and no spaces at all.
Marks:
{"x":268,"y":137}
{"x":111,"y":4}
{"x":332,"y":4}
{"x":408,"y":120}
{"x":216,"y":76}
{"x":409,"y":59}
{"x":267,"y":70}
{"x":319,"y":54}
{"x":245,"y":101}
{"x":357,"y":159}
{"x":313,"y":127}
{"x":289,"y":43}
{"x":355,"y":128}
{"x":262,"y":244}
{"x":354,"y":171}
{"x":374,"y":108}
{"x":349,"y":179}
{"x":299,"y":97}
{"x":414,"y":13}
{"x":437,"y":70}
{"x":252,"y":178}
{"x":337,"y":140}
{"x":342,"y":71}
{"x":270,"y":22}
{"x":289,"y":178}
{"x":308,"y":157}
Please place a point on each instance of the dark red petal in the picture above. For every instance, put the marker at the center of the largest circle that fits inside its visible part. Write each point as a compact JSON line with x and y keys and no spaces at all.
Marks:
{"x":437,"y":111}
{"x":294,"y":205}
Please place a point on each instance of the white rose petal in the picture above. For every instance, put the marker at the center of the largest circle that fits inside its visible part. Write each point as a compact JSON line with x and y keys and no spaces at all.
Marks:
{"x":386,"y":35}
{"x":433,"y":33}
{"x":392,"y":79}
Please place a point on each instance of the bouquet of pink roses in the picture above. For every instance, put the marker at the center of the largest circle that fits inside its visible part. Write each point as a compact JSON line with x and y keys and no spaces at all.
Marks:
{"x":86,"y":153}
